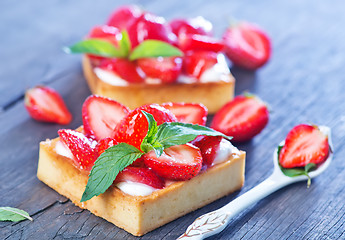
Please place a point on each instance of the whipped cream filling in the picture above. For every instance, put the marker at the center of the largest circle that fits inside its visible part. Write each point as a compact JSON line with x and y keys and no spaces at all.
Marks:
{"x":226,"y":149}
{"x":62,"y":149}
{"x":135,"y":188}
{"x":219,"y":72}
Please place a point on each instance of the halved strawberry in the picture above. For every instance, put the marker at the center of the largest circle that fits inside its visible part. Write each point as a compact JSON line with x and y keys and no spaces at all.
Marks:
{"x":242,"y":118}
{"x":196,"y":62}
{"x":123,"y":16}
{"x":167,"y":69}
{"x":179,"y":162}
{"x":195,"y":113}
{"x":198,"y":25}
{"x":150,"y":26}
{"x":124,"y":68}
{"x":247,"y":46}
{"x":208,"y":146}
{"x":200,"y":42}
{"x":45,"y":104}
{"x":81,"y":148}
{"x":133,"y":128}
{"x":103,"y":144}
{"x":140,"y":175}
{"x":101,"y":115}
{"x":304,"y":144}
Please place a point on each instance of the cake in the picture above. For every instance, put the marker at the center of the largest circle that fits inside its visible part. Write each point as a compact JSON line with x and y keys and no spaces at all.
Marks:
{"x":155,"y":168}
{"x":138,"y":58}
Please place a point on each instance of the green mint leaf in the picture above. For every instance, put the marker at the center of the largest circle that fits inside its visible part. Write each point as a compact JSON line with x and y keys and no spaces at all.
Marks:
{"x":149,"y":142}
{"x":13,"y":214}
{"x":125,"y":43}
{"x":176,"y":133}
{"x":298,"y":171}
{"x":107,"y":166}
{"x":97,"y":47}
{"x":154,"y":48}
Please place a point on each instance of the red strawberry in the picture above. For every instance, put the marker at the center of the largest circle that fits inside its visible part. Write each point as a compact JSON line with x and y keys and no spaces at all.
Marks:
{"x":196,"y":62}
{"x":208,"y":146}
{"x":304,"y":144}
{"x":180,"y":162}
{"x":166,"y":69}
{"x":81,"y":148}
{"x":200,"y":42}
{"x":101,"y":115}
{"x":46,"y":105}
{"x":103,"y":145}
{"x":140,"y":175}
{"x":123,"y":16}
{"x":243,"y":118}
{"x":105,"y":32}
{"x":247,"y":46}
{"x":149,"y":26}
{"x":133,"y":128}
{"x":197,"y":25}
{"x":195,"y":113}
{"x":124,"y":68}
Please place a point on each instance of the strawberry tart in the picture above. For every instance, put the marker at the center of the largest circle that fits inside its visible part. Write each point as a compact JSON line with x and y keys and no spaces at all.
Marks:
{"x":138,"y":58}
{"x":143,"y":168}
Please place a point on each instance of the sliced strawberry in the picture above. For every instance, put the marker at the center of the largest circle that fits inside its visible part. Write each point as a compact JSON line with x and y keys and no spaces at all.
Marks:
{"x":247,"y":46}
{"x":103,"y":144}
{"x":133,"y":128}
{"x":81,"y":148}
{"x":195,"y":113}
{"x":180,"y":162}
{"x":45,"y":104}
{"x":196,"y":62}
{"x":166,"y":69}
{"x":124,"y":68}
{"x":198,"y":25}
{"x":123,"y":16}
{"x":242,"y":118}
{"x":140,"y":175}
{"x":150,"y":26}
{"x":200,"y":42}
{"x":208,"y":146}
{"x":304,"y":144}
{"x":101,"y":115}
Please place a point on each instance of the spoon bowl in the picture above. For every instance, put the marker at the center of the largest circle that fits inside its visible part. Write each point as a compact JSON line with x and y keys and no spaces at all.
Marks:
{"x":214,"y":222}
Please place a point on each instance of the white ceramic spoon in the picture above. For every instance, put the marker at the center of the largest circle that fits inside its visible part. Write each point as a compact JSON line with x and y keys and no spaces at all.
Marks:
{"x":214,"y":222}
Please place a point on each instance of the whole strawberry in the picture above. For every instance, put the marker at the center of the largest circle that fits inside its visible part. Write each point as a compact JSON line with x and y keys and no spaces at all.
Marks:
{"x":133,"y":128}
{"x":46,"y":105}
{"x":242,"y":118}
{"x":247,"y":46}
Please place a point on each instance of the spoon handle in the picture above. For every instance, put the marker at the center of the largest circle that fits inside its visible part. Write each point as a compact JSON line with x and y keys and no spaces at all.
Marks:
{"x":214,"y":222}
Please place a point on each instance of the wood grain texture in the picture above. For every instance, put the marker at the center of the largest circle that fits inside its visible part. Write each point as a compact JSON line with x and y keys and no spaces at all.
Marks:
{"x":303,"y":82}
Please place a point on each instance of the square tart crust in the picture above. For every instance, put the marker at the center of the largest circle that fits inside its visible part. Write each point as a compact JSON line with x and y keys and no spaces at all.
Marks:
{"x":212,"y":94}
{"x":140,"y":214}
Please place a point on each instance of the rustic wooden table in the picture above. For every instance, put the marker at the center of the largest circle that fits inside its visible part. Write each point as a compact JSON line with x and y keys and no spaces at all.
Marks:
{"x":303,"y":82}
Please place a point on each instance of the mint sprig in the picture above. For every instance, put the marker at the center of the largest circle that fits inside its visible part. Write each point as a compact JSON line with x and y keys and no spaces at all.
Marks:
{"x":13,"y":214}
{"x":298,"y":171}
{"x":107,"y":166}
{"x":146,"y":49}
{"x":158,"y":138}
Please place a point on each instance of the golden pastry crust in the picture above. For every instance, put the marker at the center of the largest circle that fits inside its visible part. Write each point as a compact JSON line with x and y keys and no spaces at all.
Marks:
{"x":212,"y":94}
{"x":141,"y":214}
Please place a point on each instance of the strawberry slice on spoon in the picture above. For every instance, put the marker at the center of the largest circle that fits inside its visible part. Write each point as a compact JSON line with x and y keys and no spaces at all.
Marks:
{"x":179,"y":162}
{"x":304,"y":144}
{"x":101,"y":115}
